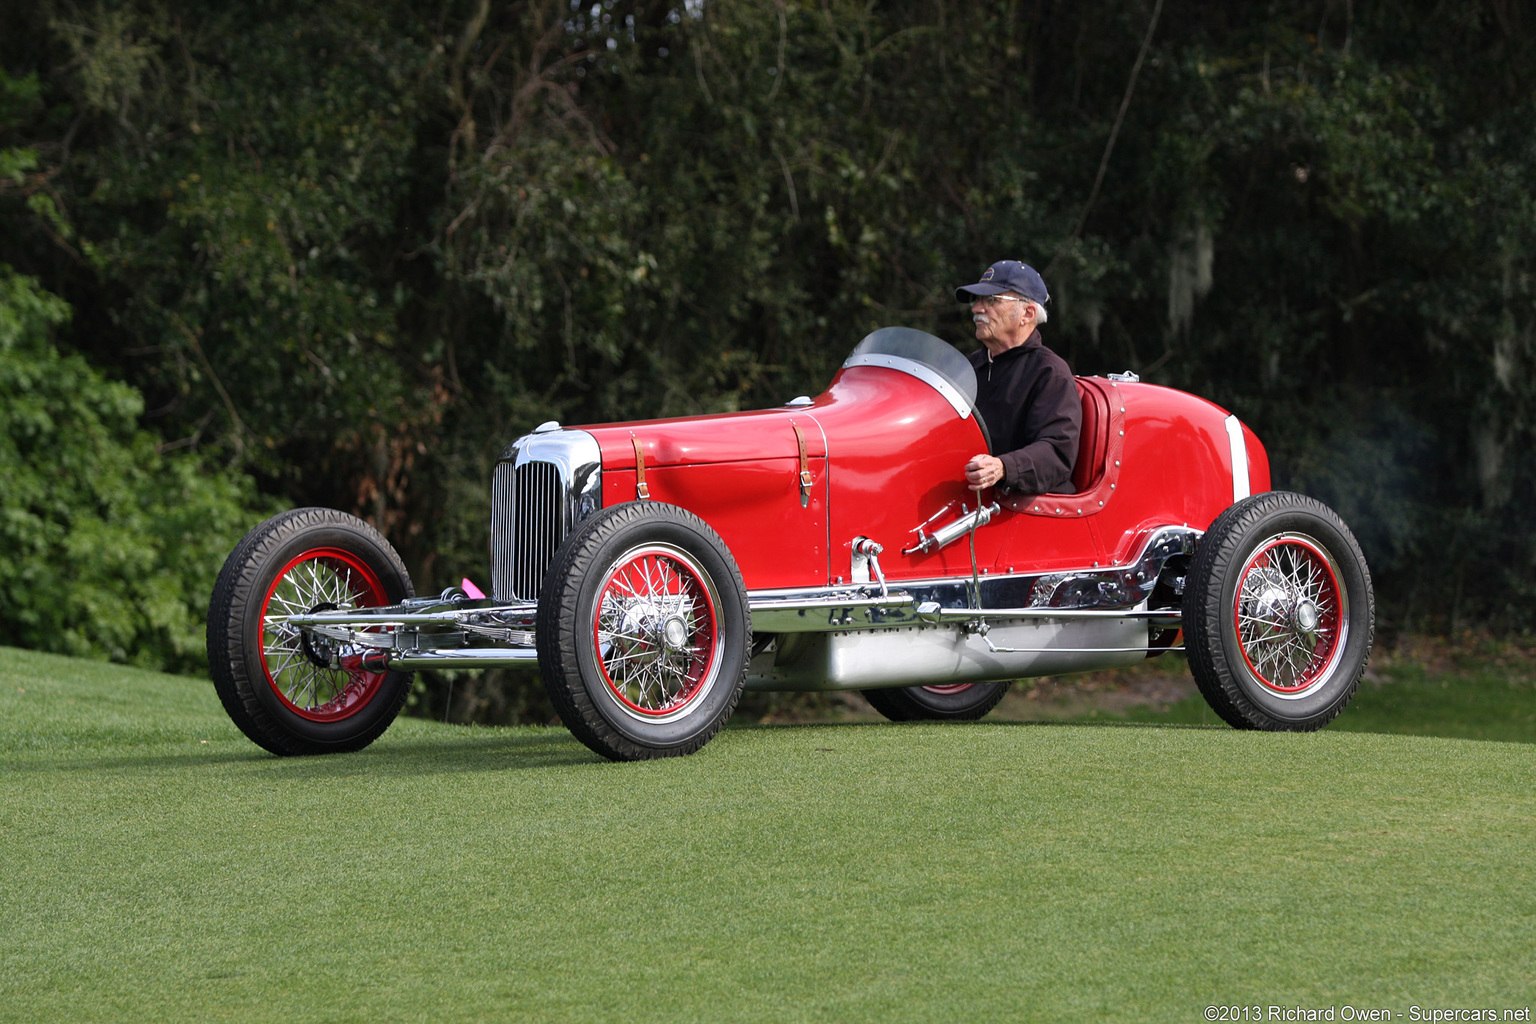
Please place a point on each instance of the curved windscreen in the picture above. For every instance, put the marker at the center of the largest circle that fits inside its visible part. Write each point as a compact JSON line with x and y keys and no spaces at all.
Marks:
{"x":921,"y":347}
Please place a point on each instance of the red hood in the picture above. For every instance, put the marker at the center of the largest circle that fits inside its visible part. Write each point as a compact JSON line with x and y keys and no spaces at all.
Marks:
{"x":709,"y":440}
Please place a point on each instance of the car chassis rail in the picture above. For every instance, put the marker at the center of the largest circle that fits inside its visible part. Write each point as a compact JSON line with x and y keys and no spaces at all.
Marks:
{"x":437,"y":632}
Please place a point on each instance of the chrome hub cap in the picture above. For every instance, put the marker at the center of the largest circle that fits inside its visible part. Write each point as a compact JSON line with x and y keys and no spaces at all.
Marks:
{"x":674,"y":633}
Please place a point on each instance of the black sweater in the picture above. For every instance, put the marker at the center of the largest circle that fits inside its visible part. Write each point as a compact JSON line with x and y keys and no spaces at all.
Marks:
{"x":1029,"y":402}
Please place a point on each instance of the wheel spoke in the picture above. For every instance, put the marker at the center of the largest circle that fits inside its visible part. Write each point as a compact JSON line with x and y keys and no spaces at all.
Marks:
{"x":289,"y":660}
{"x":299,"y":665}
{"x":290,"y":607}
{"x":650,"y":668}
{"x":635,"y":656}
{"x":1287,"y":608}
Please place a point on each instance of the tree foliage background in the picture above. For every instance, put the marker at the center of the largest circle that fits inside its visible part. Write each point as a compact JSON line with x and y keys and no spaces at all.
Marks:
{"x":348,"y":250}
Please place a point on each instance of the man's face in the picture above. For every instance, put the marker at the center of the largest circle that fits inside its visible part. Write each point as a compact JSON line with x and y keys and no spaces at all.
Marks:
{"x":999,"y":321}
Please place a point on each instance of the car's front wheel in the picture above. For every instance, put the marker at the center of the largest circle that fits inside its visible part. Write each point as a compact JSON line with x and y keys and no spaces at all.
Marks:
{"x":644,"y":632}
{"x":290,"y":690}
{"x":937,"y":701}
{"x":1279,"y":614}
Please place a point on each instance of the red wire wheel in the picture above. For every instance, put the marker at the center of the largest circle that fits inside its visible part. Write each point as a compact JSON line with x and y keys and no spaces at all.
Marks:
{"x":1291,"y":615}
{"x":948,"y":689}
{"x":303,"y":670}
{"x":940,"y":702}
{"x":1279,"y":613}
{"x":657,"y":633}
{"x":644,"y":632}
{"x":300,"y":691}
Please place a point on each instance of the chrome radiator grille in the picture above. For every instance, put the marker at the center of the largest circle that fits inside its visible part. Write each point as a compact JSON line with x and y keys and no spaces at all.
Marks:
{"x":543,"y":486}
{"x":528,"y":522}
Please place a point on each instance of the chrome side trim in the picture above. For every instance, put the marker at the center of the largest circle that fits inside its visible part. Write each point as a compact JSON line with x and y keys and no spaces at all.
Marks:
{"x":845,"y":637}
{"x":1241,"y":486}
{"x":829,"y":610}
{"x":862,"y":610}
{"x":916,"y":369}
{"x":1162,"y":618}
{"x":1113,"y":592}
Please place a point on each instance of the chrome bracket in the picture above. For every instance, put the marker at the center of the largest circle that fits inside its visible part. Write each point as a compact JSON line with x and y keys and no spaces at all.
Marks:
{"x":967,"y":522}
{"x":866,"y":559}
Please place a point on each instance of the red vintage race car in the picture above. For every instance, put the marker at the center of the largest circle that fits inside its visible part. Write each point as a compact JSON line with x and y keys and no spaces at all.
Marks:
{"x":651,"y":571}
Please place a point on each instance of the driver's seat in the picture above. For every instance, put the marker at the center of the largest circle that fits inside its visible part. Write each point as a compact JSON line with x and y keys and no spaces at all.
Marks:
{"x":1093,"y":441}
{"x":1099,"y":445}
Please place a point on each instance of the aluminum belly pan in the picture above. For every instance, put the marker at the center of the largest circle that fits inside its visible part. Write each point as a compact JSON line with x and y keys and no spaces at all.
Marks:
{"x":911,"y":656}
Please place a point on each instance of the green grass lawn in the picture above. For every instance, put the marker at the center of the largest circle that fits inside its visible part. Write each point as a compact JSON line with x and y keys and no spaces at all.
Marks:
{"x":1482,"y":691}
{"x":158,"y":866}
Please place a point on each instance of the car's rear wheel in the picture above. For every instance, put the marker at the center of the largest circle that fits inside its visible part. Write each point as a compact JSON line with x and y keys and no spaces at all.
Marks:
{"x":937,"y":701}
{"x":1279,"y":614}
{"x":644,"y":632}
{"x":289,"y":690}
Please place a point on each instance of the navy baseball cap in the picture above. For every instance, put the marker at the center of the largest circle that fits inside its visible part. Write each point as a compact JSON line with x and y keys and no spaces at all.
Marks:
{"x":1006,"y":276}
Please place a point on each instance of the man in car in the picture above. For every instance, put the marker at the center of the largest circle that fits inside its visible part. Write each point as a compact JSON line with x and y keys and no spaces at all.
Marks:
{"x":1024,"y":392}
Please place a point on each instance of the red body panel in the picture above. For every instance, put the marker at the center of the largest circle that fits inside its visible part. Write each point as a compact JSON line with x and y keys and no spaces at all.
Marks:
{"x":887,"y":453}
{"x":740,"y":472}
{"x":1177,"y":467}
{"x":709,"y":440}
{"x":898,"y":452}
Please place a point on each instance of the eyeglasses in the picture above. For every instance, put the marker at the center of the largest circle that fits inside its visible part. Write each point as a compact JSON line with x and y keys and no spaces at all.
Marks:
{"x":992,"y":300}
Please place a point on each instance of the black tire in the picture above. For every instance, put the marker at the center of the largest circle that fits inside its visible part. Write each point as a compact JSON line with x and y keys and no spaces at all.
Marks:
{"x":273,"y":681}
{"x":954,"y":702}
{"x":1279,"y":613}
{"x":644,"y":632}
